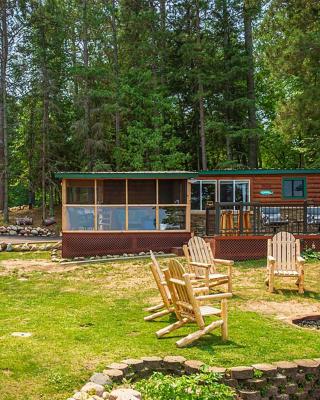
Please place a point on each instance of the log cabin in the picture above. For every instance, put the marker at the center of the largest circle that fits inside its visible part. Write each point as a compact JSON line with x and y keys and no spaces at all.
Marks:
{"x":236,"y":210}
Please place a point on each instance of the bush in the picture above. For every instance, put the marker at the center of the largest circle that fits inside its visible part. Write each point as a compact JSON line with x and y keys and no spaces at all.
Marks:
{"x":202,"y":386}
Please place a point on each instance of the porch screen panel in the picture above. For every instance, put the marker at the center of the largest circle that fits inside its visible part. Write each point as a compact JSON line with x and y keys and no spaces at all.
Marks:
{"x":80,"y":191}
{"x":172,"y":218}
{"x":142,"y":218}
{"x":111,"y":191}
{"x":111,"y":218}
{"x":80,"y":218}
{"x":172,"y":191}
{"x":142,"y":191}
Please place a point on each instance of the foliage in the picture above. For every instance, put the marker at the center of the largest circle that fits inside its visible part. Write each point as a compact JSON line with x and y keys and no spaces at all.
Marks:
{"x":201,"y":386}
{"x":310,"y":254}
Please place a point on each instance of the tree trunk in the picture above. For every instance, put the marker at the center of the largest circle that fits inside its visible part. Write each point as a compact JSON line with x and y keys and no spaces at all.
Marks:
{"x":30,"y":143}
{"x":3,"y":115}
{"x":200,"y":96}
{"x":116,"y":71}
{"x":86,"y":105}
{"x":252,"y":118}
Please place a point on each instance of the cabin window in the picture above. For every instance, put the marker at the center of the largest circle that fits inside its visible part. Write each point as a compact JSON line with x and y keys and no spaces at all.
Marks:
{"x":202,"y":192}
{"x":234,"y":191}
{"x":294,"y":188}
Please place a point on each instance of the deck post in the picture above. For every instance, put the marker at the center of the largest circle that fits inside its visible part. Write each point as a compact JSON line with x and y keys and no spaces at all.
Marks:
{"x":217,"y":218}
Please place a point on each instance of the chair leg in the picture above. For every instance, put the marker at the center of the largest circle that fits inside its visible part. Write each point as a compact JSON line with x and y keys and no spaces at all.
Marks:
{"x":271,"y":282}
{"x":301,"y":284}
{"x":198,"y":334}
{"x":157,"y":315}
{"x":224,"y":316}
{"x":170,"y":328}
{"x":155,"y":308}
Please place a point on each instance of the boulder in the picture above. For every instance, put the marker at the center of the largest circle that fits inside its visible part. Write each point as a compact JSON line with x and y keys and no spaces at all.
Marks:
{"x":34,"y":232}
{"x":9,"y":247}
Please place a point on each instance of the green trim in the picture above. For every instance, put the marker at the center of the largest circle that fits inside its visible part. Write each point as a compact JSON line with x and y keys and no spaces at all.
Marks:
{"x":304,"y":179}
{"x":124,"y":175}
{"x":259,"y":172}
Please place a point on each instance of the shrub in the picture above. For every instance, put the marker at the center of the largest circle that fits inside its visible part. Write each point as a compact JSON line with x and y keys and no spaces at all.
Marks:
{"x":202,"y":386}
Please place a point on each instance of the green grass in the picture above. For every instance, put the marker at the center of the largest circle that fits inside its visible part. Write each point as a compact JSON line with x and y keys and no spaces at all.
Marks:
{"x":25,"y":255}
{"x":85,"y":318}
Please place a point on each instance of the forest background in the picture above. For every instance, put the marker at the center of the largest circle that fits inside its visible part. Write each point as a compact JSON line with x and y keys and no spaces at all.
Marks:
{"x":154,"y":85}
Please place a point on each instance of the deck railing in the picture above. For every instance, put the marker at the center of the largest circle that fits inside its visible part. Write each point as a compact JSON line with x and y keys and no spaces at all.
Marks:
{"x":262,"y":219}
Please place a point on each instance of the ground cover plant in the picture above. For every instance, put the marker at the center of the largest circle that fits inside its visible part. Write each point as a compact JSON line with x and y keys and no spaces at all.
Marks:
{"x":82,"y":318}
{"x":202,"y":386}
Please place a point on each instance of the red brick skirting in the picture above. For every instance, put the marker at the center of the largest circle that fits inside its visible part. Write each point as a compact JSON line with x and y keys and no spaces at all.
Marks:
{"x":84,"y":244}
{"x":251,"y":247}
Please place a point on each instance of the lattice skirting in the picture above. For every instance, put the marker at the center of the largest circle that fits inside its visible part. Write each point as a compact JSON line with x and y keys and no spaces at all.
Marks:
{"x":83,"y":244}
{"x":252,"y":247}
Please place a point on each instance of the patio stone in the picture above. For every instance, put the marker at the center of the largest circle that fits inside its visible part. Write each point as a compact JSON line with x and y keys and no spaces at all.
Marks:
{"x":217,"y":370}
{"x":241,"y":372}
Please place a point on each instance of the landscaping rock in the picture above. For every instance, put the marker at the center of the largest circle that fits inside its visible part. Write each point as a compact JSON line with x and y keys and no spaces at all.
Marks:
{"x":308,"y":366}
{"x":267,"y":369}
{"x":92,"y":388}
{"x":242,"y":372}
{"x":135,"y":364}
{"x":153,"y":362}
{"x":124,"y":394}
{"x":193,"y":366}
{"x":34,"y":232}
{"x":101,"y":379}
{"x":287,"y":368}
{"x":114,"y":374}
{"x":217,"y":370}
{"x":9,"y":247}
{"x":174,"y":363}
{"x":249,"y":395}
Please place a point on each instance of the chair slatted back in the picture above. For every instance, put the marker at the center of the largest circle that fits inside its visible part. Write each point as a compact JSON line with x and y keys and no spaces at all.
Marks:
{"x":201,"y":252}
{"x":285,"y":248}
{"x":160,"y":279}
{"x":184,"y":301}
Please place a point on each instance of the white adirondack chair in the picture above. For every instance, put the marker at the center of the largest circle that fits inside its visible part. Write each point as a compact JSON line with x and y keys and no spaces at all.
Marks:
{"x":284,"y":260}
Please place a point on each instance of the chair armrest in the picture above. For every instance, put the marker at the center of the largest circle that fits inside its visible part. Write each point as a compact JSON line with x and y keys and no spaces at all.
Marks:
{"x":300,"y":260}
{"x":219,"y":296}
{"x":223,"y":262}
{"x":199,"y":264}
{"x":271,"y":259}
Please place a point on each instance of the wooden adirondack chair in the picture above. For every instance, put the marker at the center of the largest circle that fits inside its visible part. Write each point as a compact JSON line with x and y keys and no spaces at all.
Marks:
{"x":188,"y":305}
{"x":165,"y":307}
{"x":284,"y":260}
{"x":201,"y":262}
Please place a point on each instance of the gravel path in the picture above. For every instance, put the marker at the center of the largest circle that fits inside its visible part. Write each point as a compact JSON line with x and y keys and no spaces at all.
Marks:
{"x":29,"y":239}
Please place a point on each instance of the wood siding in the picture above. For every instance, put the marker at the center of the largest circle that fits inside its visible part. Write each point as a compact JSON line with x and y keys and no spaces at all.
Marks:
{"x":274,"y":183}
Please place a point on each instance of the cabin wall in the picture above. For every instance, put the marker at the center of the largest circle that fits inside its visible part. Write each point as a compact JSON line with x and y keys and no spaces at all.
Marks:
{"x":274,"y":183}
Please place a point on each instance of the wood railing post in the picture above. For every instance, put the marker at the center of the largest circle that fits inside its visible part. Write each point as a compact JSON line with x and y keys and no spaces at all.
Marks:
{"x":217,"y":218}
{"x":305,"y":214}
{"x":241,"y":218}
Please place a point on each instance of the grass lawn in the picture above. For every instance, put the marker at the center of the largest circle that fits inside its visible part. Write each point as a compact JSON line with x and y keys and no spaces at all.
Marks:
{"x":84,"y":318}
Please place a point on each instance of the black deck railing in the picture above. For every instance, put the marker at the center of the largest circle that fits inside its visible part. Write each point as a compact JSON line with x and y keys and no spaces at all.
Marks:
{"x":262,"y":219}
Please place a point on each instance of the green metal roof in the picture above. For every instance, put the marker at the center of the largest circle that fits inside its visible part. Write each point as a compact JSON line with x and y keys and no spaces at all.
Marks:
{"x":182,"y":174}
{"x":122,"y":175}
{"x":259,"y":172}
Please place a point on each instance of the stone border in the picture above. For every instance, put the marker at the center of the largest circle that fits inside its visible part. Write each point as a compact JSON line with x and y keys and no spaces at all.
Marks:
{"x":283,"y":380}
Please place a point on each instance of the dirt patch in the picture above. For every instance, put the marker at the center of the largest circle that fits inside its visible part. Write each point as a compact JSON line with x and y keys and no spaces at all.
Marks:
{"x":282,"y":310}
{"x":24,"y":266}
